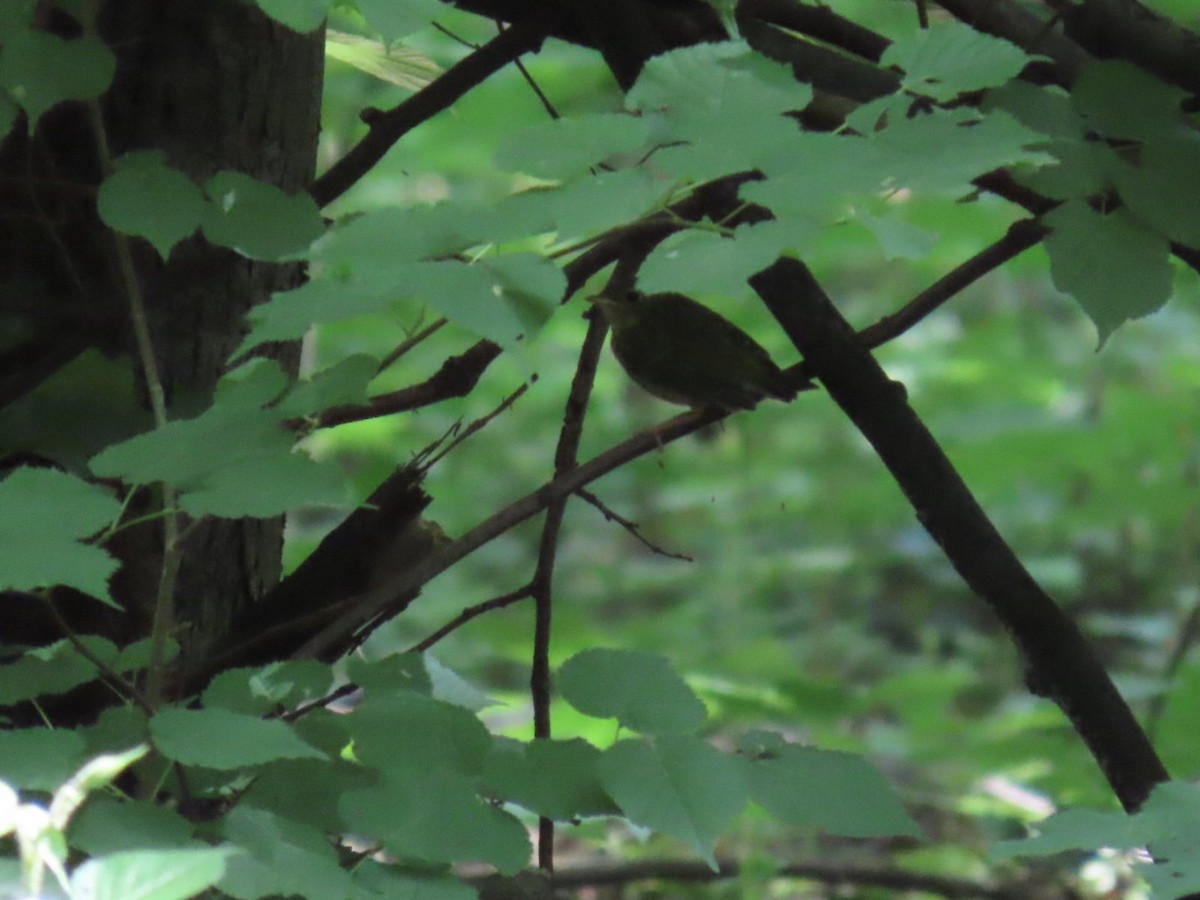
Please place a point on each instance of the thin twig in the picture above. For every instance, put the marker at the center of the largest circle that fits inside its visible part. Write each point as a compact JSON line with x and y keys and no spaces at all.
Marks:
{"x":457,"y":376}
{"x":109,"y":673}
{"x":632,"y":527}
{"x":1020,"y":237}
{"x":409,"y":342}
{"x":566,"y":459}
{"x":471,"y":612}
{"x":475,"y":427}
{"x":164,"y":604}
{"x":536,"y":88}
{"x":388,"y":127}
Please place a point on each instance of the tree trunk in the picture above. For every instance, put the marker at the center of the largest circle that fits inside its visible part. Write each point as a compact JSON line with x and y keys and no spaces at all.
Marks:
{"x":216,"y":86}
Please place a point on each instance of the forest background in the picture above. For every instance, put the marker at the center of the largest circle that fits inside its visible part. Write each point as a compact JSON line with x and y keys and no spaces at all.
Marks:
{"x":751,"y":651}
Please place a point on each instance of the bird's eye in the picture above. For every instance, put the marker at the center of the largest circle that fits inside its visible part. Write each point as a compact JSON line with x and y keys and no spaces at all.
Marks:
{"x":634,"y":296}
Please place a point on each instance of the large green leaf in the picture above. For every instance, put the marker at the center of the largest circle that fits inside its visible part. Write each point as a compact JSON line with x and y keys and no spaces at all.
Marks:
{"x":257,"y":473}
{"x":838,"y":793}
{"x":39,"y":69}
{"x":558,"y":779}
{"x":952,"y":59}
{"x":258,"y":219}
{"x":147,"y":198}
{"x":678,"y":785}
{"x":639,"y":690}
{"x":221,"y":739}
{"x":436,"y":816}
{"x":414,"y":731}
{"x":562,"y":148}
{"x":39,"y":759}
{"x":1113,"y":265}
{"x":279,"y":858}
{"x":44,"y":517}
{"x":149,"y":874}
{"x":396,"y":20}
{"x":1120,"y":100}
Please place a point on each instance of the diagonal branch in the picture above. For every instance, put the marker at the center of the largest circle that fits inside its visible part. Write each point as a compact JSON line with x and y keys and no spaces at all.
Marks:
{"x":1060,"y":663}
{"x":388,"y":127}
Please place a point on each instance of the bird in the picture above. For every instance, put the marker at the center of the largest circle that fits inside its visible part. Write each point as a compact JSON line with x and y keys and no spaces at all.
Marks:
{"x":681,"y":351}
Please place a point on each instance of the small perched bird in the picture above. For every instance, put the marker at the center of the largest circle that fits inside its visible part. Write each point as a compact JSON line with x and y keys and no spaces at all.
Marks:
{"x":683,"y":352}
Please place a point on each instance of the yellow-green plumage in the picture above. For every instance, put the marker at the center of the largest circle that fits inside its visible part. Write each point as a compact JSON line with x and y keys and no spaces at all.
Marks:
{"x":683,"y":352}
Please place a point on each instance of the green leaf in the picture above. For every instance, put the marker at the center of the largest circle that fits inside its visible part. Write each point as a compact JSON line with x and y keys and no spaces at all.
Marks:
{"x":343,"y":383}
{"x":699,"y":261}
{"x":839,"y":793}
{"x":267,"y":486}
{"x":39,"y":759}
{"x":436,"y":816}
{"x":44,"y":516}
{"x":898,"y":239}
{"x":677,"y":785}
{"x":279,"y":858}
{"x":1111,"y":264}
{"x":258,"y":472}
{"x":725,"y":101}
{"x":396,"y":20}
{"x":557,"y":779}
{"x":706,"y":83}
{"x":268,"y":688}
{"x":149,"y":874}
{"x":562,"y":148}
{"x":953,"y":58}
{"x":531,"y":285}
{"x":1163,"y":189}
{"x":395,"y":64}
{"x":411,"y":730}
{"x":1043,"y":108}
{"x":1120,"y":100}
{"x":147,"y":198}
{"x":639,"y":690}
{"x":40,"y":69}
{"x":107,"y":825}
{"x":15,"y":16}
{"x":397,"y":672}
{"x":54,"y":669}
{"x":596,"y":203}
{"x":330,"y":297}
{"x":471,"y":296}
{"x":1083,"y":168}
{"x":943,"y":151}
{"x":259,"y":220}
{"x":220,"y":739}
{"x":1167,"y":823}
{"x":450,"y":687}
{"x":299,"y":15}
{"x":324,"y":781}
{"x":812,"y":183}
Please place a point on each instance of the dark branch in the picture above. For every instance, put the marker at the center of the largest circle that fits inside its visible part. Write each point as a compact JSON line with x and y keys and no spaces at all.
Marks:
{"x":833,"y":873}
{"x":388,"y":127}
{"x":1060,"y":663}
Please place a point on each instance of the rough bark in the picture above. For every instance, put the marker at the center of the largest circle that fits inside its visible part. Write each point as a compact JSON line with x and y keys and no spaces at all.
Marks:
{"x":216,"y":86}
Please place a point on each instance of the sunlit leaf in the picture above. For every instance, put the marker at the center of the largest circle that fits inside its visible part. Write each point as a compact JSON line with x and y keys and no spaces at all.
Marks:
{"x":394,"y":64}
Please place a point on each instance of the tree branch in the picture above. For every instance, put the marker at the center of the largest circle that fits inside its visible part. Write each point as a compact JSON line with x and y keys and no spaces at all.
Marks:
{"x":388,"y":127}
{"x":1060,"y":663}
{"x":833,"y":873}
